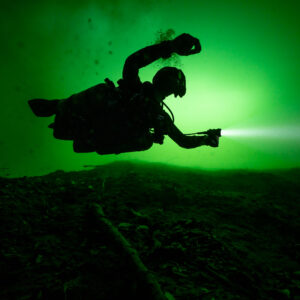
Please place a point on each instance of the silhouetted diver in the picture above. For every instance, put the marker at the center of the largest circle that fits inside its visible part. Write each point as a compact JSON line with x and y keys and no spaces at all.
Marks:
{"x":130,"y":117}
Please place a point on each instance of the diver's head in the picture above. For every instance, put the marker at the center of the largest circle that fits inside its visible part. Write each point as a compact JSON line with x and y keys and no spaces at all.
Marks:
{"x":169,"y":80}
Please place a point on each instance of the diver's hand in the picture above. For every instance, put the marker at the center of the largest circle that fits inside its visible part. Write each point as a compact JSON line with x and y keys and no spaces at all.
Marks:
{"x":185,"y":44}
{"x":212,"y":140}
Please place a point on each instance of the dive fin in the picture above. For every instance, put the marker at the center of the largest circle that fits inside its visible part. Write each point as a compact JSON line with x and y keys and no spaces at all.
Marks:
{"x":42,"y":107}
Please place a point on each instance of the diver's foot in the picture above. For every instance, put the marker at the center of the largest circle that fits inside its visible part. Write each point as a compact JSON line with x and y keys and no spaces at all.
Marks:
{"x":43,"y":108}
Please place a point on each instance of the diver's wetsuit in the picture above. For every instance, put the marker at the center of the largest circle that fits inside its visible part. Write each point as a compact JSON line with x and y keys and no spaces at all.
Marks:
{"x":117,"y":120}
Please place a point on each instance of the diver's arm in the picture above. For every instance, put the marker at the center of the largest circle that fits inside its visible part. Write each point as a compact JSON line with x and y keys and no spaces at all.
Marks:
{"x":184,"y":44}
{"x":145,"y":57}
{"x":185,"y":141}
{"x":166,"y":125}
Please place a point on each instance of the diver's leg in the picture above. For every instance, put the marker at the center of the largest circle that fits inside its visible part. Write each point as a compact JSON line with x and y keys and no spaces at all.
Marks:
{"x":43,"y":108}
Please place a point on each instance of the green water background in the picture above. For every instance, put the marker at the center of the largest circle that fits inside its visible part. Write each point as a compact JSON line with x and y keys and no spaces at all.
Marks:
{"x":247,"y":76}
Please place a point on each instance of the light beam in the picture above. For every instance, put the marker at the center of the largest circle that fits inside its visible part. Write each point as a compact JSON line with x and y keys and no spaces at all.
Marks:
{"x":274,"y":132}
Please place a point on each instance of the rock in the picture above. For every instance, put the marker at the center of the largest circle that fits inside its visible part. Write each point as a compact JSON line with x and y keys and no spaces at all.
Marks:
{"x":124,"y":225}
